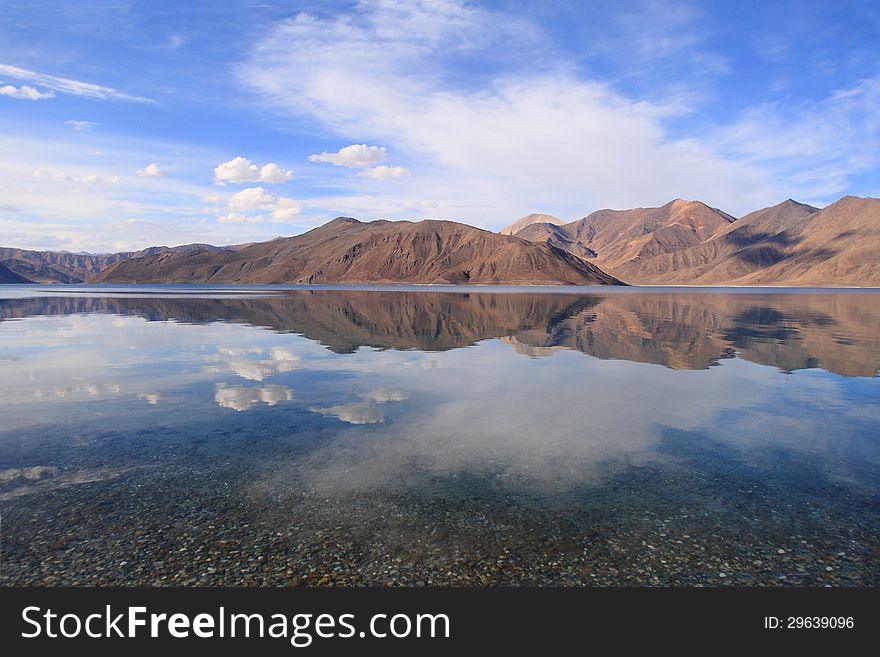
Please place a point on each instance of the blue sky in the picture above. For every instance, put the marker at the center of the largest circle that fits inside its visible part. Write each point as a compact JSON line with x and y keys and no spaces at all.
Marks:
{"x":127,"y":124}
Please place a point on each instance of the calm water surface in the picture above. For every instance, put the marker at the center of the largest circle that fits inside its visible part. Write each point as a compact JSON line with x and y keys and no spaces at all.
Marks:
{"x":174,"y":435}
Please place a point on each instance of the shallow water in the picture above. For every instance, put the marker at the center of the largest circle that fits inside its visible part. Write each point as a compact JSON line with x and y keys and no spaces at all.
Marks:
{"x":197,"y":435}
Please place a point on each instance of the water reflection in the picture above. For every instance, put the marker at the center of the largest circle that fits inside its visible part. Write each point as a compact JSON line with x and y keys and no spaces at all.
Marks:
{"x":241,"y":398}
{"x":681,"y":330}
{"x":331,"y":413}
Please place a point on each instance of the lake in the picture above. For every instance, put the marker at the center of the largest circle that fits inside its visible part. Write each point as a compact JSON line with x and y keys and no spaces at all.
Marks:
{"x":175,"y":435}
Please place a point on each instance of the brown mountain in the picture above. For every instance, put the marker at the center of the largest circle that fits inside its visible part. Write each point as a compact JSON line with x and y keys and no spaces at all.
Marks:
{"x":625,"y":239}
{"x":687,"y":242}
{"x":555,"y":235}
{"x":349,"y":251}
{"x":528,"y":220}
{"x":746,"y":246}
{"x":9,"y":276}
{"x":64,"y":267}
{"x":838,"y":245}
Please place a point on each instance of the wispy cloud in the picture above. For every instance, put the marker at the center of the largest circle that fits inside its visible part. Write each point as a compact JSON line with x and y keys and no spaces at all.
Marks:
{"x":814,"y":147}
{"x":81,"y":126}
{"x":69,"y":85}
{"x":547,"y":139}
{"x":90,"y":178}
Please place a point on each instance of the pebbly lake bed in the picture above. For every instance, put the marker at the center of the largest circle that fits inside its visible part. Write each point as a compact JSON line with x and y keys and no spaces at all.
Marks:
{"x":413,"y":436}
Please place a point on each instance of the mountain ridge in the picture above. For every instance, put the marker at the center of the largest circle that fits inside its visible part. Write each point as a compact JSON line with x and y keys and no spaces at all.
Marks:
{"x":691,"y":243}
{"x":680,"y":243}
{"x":67,"y":267}
{"x":9,"y":276}
{"x":346,"y":250}
{"x":528,"y":220}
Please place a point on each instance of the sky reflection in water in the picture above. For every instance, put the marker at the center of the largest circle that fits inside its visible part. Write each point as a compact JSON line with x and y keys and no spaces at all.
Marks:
{"x":542,"y":391}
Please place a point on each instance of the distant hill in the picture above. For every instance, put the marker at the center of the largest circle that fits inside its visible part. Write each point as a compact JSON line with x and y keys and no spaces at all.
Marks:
{"x":528,"y":220}
{"x":346,"y":250}
{"x":64,"y":267}
{"x":555,"y":235}
{"x":688,"y":242}
{"x":9,"y":276}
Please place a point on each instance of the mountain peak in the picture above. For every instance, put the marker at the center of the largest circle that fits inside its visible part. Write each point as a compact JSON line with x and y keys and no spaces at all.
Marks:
{"x":528,"y":220}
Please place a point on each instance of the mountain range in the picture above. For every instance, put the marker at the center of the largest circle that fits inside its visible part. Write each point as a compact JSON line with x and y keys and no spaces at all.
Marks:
{"x":64,"y":267}
{"x":346,"y":250}
{"x":682,"y":242}
{"x":690,"y":243}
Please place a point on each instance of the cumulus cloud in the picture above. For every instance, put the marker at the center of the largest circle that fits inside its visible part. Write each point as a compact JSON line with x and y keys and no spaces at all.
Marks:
{"x":285,"y":210}
{"x":152,"y":170}
{"x":242,"y":170}
{"x":24,"y":92}
{"x":361,"y":156}
{"x":69,"y":85}
{"x":81,"y":126}
{"x":383,"y":172}
{"x":257,"y":204}
{"x":252,"y":198}
{"x":356,"y":156}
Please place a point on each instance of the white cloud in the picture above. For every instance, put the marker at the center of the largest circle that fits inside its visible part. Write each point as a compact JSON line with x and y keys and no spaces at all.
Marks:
{"x":356,"y":156}
{"x":383,"y":172}
{"x":355,"y":413}
{"x":252,"y":198}
{"x":68,"y":85}
{"x":816,"y":146}
{"x":81,"y":126}
{"x":241,"y":398}
{"x":267,"y":206}
{"x":242,"y":170}
{"x":540,"y":136}
{"x":272,"y":173}
{"x":384,"y":395}
{"x":285,"y":210}
{"x":25,"y":92}
{"x":74,"y":199}
{"x":152,"y":170}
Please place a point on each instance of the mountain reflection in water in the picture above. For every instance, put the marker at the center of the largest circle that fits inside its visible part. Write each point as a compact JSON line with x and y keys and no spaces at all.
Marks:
{"x":472,"y":436}
{"x":834,"y":331}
